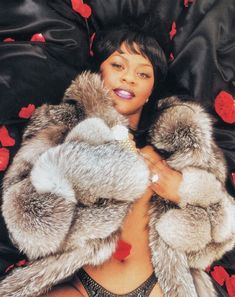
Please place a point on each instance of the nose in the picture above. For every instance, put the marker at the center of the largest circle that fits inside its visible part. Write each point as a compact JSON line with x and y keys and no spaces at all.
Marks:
{"x":128,"y":77}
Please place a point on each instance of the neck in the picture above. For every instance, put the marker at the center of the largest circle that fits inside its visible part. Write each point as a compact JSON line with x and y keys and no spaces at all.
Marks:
{"x":134,"y":121}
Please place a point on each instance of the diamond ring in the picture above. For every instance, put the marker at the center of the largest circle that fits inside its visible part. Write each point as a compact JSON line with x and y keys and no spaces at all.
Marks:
{"x":154,"y":178}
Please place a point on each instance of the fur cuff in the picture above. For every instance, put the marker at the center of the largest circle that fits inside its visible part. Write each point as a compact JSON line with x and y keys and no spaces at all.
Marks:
{"x":199,"y":187}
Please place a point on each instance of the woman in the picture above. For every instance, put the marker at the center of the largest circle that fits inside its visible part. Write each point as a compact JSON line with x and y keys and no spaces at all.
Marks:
{"x":132,"y":67}
{"x":131,"y":76}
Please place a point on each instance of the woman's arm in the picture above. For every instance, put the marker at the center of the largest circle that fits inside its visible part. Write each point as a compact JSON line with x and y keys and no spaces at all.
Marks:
{"x":204,"y":228}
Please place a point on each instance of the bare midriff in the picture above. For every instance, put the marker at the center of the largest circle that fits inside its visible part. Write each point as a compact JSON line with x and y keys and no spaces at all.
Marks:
{"x":124,"y":276}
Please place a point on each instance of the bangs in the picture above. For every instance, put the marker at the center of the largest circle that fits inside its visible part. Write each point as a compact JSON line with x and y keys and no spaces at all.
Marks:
{"x":133,"y":47}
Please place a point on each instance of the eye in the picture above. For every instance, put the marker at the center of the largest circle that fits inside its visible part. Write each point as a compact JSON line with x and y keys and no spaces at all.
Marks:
{"x":143,"y":75}
{"x":117,"y":66}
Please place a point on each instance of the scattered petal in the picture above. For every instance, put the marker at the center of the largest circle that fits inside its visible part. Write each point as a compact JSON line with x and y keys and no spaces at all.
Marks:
{"x":83,"y":9}
{"x":233,"y":178}
{"x":172,"y":57}
{"x":230,"y":286}
{"x":38,"y":37}
{"x":9,"y":268}
{"x":225,"y":107}
{"x":219,"y":274}
{"x":9,"y":39}
{"x":186,"y":2}
{"x":26,"y":112}
{"x":91,"y":42}
{"x":21,"y":263}
{"x":122,"y":251}
{"x":4,"y":158}
{"x":5,"y":138}
{"x":173,"y":30}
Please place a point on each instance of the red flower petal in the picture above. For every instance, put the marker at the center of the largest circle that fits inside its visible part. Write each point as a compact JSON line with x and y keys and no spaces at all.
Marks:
{"x":38,"y":37}
{"x":225,"y":107}
{"x":91,"y":42}
{"x":83,"y":9}
{"x":5,"y":138}
{"x":9,"y":39}
{"x":233,"y":178}
{"x":173,"y":30}
{"x":26,"y":112}
{"x":186,"y":2}
{"x":172,"y":57}
{"x":230,"y":286}
{"x":21,"y":263}
{"x":9,"y":268}
{"x":4,"y":158}
{"x":122,"y":251}
{"x":219,"y":274}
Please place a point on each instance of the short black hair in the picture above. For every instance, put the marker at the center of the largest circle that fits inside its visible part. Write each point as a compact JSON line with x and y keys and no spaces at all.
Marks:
{"x":107,"y":41}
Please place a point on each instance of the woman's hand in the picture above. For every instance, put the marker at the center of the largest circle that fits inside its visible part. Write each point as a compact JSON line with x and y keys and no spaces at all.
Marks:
{"x":167,"y":185}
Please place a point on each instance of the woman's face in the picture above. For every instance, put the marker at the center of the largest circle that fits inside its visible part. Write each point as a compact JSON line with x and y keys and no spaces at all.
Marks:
{"x":130,"y":78}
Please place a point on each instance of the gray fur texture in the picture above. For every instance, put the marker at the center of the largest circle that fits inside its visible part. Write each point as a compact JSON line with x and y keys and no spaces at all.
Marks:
{"x":71,"y":185}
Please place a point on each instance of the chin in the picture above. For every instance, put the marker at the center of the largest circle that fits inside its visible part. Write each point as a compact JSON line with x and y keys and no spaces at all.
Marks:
{"x":123,"y":111}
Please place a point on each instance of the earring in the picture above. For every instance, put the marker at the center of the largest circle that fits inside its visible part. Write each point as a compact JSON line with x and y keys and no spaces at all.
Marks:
{"x":147,"y":100}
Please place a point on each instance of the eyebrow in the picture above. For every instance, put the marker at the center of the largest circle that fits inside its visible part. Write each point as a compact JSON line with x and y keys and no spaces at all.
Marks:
{"x":142,"y":64}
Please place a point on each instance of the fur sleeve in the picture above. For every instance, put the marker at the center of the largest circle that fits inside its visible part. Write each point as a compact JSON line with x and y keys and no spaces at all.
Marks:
{"x":86,"y":167}
{"x":206,"y":212}
{"x":201,"y":188}
{"x":46,"y":180}
{"x":24,"y":210}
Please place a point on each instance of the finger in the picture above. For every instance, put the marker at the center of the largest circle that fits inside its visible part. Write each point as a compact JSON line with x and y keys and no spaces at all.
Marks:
{"x":161,"y":164}
{"x":145,"y":156}
{"x":149,"y":159}
{"x":149,"y":164}
{"x":157,"y":188}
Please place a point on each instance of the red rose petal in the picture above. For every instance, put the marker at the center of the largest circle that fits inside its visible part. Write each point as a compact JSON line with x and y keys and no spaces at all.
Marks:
{"x":9,"y":268}
{"x":4,"y":158}
{"x":122,"y":251}
{"x":83,"y":9}
{"x":233,"y":178}
{"x":9,"y":39}
{"x":91,"y":42}
{"x":5,"y":138}
{"x":230,"y":286}
{"x":225,"y":107}
{"x":172,"y":57}
{"x":186,"y":2}
{"x":38,"y":37}
{"x":219,"y":274}
{"x":21,"y":263}
{"x":26,"y":112}
{"x":173,"y":30}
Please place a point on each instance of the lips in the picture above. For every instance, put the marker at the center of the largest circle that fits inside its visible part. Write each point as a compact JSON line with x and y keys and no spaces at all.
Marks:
{"x":124,"y":94}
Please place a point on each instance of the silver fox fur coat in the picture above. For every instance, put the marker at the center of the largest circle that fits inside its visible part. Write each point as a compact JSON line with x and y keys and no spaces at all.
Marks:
{"x":71,"y":185}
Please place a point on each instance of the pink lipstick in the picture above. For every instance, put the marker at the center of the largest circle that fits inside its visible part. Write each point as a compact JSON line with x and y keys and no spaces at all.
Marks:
{"x":124,"y":94}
